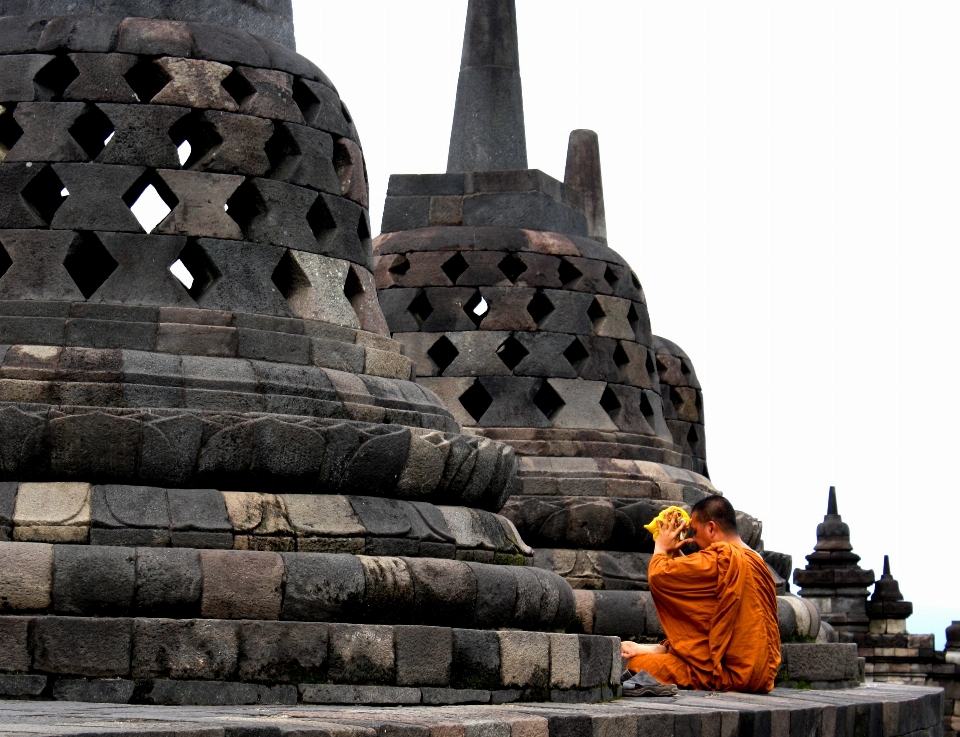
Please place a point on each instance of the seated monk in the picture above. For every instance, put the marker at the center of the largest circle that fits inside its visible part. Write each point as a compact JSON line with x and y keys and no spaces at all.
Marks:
{"x":718,"y":607}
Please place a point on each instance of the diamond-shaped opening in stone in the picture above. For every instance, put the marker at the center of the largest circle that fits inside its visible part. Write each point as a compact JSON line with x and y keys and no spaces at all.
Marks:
{"x":512,"y":352}
{"x":476,"y":400}
{"x":633,"y":318}
{"x":651,"y":366}
{"x":10,"y":130}
{"x":283,"y":152}
{"x":196,"y":139}
{"x":610,"y":276}
{"x":620,"y":356}
{"x":547,"y":400}
{"x":676,"y":399}
{"x":400,"y":265}
{"x":200,"y":267}
{"x":576,"y":354}
{"x":146,"y":79}
{"x":289,"y":279}
{"x":363,"y":231}
{"x":92,"y":129}
{"x":635,"y":279}
{"x":685,"y":368}
{"x":512,"y":267}
{"x":610,"y":403}
{"x":89,"y":263}
{"x":693,"y":438}
{"x":245,"y":205}
{"x":539,"y":307}
{"x":646,"y":408}
{"x":44,"y":193}
{"x":55,"y":76}
{"x":476,"y":308}
{"x":420,"y":307}
{"x":353,"y":290}
{"x":443,"y":353}
{"x":595,"y":312}
{"x":568,"y":273}
{"x":181,"y":273}
{"x":454,"y":267}
{"x":305,"y":99}
{"x":150,"y":200}
{"x":321,"y":221}
{"x":238,"y":87}
{"x":5,"y":261}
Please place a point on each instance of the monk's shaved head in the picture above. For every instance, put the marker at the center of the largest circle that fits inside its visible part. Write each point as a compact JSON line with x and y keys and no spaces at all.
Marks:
{"x":718,"y":510}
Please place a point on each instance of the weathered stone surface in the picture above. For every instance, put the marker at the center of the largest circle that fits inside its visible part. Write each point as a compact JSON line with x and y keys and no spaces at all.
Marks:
{"x":322,"y":587}
{"x":184,"y":649}
{"x":82,"y":646}
{"x":93,"y":580}
{"x":241,"y":584}
{"x":362,"y":654}
{"x":423,"y":655}
{"x":15,"y":655}
{"x":288,"y":651}
{"x":524,"y":659}
{"x":169,"y":582}
{"x":26,"y":576}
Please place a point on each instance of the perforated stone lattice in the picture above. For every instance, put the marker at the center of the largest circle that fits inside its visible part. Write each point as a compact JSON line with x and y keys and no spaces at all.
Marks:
{"x":266,"y":158}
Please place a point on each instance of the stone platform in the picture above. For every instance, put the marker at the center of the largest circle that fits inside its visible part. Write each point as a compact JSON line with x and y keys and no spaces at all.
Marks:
{"x":869,"y":711}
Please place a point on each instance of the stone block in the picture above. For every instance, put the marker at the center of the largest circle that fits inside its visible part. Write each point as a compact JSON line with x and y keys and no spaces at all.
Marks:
{"x":198,"y":340}
{"x":283,"y":651}
{"x":101,"y":691}
{"x":211,"y":693}
{"x":129,"y":506}
{"x":476,"y":660}
{"x":321,"y":514}
{"x":314,"y":693}
{"x":620,"y":613}
{"x":524,"y":659}
{"x":820,"y":662}
{"x":201,"y":204}
{"x":81,"y":646}
{"x":93,"y":580}
{"x":454,"y":696}
{"x":194,"y":83}
{"x":564,"y":661}
{"x":185,"y":649}
{"x":267,"y":345}
{"x":17,"y":73}
{"x":241,"y":584}
{"x":405,"y":213}
{"x":424,"y":655}
{"x":15,"y":644}
{"x":362,"y":654}
{"x":595,"y":655}
{"x":169,"y":582}
{"x":20,"y":686}
{"x":241,"y":142}
{"x":96,"y":197}
{"x":61,"y":504}
{"x":26,"y":576}
{"x":198,"y":510}
{"x":307,"y":158}
{"x":46,"y":136}
{"x":322,"y":587}
{"x":445,"y":591}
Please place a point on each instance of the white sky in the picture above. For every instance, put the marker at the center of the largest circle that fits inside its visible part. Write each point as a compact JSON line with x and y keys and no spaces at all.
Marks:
{"x":783,"y":177}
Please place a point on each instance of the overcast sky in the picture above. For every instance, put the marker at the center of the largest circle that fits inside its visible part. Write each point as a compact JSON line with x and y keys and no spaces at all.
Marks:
{"x":784,"y":177}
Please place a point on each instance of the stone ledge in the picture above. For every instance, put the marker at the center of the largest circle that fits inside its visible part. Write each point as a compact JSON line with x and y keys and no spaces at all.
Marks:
{"x":881,"y":711}
{"x":155,"y":661}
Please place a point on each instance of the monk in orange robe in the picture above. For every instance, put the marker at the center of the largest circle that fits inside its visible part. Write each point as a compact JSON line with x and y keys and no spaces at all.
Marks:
{"x":718,"y":607}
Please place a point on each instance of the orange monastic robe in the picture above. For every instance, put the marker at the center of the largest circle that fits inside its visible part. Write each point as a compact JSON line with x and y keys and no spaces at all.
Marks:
{"x":718,"y":609}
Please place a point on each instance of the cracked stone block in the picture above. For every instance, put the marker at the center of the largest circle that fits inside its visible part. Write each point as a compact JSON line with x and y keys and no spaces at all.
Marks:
{"x":271,"y":95}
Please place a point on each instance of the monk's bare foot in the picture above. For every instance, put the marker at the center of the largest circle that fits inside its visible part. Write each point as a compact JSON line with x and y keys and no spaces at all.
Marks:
{"x":630,"y":649}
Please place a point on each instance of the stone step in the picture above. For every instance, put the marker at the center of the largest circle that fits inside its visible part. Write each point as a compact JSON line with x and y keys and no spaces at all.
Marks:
{"x":222,"y":661}
{"x":240,"y":584}
{"x":144,"y":516}
{"x":879,"y":711}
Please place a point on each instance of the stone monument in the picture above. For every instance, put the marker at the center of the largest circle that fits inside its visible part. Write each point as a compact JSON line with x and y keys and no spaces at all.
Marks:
{"x":228,"y":489}
{"x":498,"y":282}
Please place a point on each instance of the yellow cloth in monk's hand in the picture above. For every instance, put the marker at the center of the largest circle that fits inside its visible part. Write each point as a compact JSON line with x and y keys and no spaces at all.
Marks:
{"x":654,"y":529}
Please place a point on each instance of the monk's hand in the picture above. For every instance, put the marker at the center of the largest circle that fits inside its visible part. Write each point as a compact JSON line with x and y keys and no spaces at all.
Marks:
{"x":669,"y":539}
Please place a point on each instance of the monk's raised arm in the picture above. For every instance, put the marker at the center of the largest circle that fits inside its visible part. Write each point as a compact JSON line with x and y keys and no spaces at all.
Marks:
{"x":691,"y":575}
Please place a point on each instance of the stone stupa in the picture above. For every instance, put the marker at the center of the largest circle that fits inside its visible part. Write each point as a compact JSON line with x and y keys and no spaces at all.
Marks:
{"x":228,"y":489}
{"x":498,"y":281}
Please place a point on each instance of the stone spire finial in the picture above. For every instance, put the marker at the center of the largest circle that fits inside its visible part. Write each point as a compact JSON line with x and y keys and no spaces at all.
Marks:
{"x":583,"y":174}
{"x":488,"y":132}
{"x":833,"y":580}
